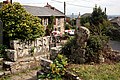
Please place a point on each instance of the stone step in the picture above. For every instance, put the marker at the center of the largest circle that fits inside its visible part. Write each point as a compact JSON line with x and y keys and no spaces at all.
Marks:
{"x":1,"y":67}
{"x":1,"y":73}
{"x":7,"y":65}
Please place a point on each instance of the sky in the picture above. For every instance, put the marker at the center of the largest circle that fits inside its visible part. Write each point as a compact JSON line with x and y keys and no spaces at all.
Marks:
{"x":76,"y":6}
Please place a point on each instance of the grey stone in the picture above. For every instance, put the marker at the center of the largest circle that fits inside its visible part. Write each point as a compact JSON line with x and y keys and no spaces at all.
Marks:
{"x":14,"y":44}
{"x":45,"y":62}
{"x":1,"y":73}
{"x":12,"y":54}
{"x":7,"y":72}
{"x":1,"y":67}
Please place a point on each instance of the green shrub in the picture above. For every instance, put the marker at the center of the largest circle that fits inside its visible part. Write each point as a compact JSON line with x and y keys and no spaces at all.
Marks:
{"x":57,"y":68}
{"x":2,"y":51}
{"x":113,"y":33}
{"x":19,"y":24}
{"x":66,"y":49}
{"x":95,"y":44}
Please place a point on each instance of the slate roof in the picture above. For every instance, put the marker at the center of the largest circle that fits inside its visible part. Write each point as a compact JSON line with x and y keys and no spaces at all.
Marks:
{"x":86,"y":15}
{"x":42,"y":11}
{"x":116,"y":20}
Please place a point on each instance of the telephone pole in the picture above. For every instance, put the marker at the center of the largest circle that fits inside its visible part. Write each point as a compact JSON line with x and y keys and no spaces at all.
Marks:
{"x":64,"y":8}
{"x":11,"y":1}
{"x":65,"y":13}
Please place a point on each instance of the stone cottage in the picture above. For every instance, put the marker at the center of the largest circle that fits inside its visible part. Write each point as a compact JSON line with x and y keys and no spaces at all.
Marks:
{"x":45,"y":12}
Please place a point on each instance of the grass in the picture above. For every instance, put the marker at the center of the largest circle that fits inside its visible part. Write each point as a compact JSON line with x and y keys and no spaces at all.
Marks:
{"x":97,"y":72}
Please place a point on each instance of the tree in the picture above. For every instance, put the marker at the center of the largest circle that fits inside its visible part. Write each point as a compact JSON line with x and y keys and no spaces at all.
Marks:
{"x":97,"y":22}
{"x":19,"y":24}
{"x":98,"y":16}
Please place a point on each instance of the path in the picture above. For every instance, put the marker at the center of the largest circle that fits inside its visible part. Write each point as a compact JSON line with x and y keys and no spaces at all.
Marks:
{"x":28,"y":75}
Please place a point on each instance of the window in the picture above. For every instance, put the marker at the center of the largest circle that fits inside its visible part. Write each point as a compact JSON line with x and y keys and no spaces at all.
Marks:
{"x":45,"y":21}
{"x":59,"y":29}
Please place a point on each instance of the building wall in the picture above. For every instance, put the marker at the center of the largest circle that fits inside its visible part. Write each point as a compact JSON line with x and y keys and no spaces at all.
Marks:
{"x":59,"y":24}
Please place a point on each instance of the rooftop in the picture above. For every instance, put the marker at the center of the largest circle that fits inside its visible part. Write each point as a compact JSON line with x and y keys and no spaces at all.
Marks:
{"x":43,"y":11}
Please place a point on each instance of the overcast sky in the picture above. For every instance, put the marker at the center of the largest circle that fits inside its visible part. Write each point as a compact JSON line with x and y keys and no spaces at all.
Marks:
{"x":76,"y":6}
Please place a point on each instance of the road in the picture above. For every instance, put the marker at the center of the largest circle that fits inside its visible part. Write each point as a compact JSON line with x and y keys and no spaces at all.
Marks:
{"x":115,"y":45}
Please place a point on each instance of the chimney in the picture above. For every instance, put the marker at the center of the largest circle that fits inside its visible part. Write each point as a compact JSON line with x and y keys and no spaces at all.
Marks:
{"x":6,"y":2}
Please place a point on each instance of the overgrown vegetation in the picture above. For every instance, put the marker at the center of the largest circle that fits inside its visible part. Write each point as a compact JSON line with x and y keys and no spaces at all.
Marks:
{"x":98,"y":24}
{"x":2,"y":51}
{"x":66,"y":49}
{"x":57,"y":69}
{"x":95,"y":45}
{"x":19,"y":24}
{"x":114,"y":33}
{"x":96,"y":72}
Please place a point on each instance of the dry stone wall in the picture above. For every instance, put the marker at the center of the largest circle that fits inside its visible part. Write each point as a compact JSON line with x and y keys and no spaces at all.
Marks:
{"x":20,"y":49}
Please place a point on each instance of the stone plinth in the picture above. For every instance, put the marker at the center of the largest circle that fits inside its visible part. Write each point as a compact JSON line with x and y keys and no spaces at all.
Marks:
{"x":54,"y":52}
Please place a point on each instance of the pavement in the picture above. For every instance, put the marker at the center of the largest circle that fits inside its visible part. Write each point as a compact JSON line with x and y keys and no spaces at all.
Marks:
{"x":115,"y":45}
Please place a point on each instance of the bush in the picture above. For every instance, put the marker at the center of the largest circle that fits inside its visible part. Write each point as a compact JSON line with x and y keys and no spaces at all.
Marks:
{"x":95,"y":44}
{"x":57,"y":69}
{"x":66,"y":49}
{"x":19,"y":24}
{"x":113,"y":33}
{"x":2,"y":51}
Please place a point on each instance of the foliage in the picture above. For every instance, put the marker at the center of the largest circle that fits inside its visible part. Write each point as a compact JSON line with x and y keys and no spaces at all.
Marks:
{"x":57,"y":68}
{"x":67,"y":26}
{"x":19,"y":24}
{"x":95,"y":44}
{"x":66,"y":49}
{"x":2,"y":51}
{"x":84,"y":20}
{"x":97,"y":23}
{"x":97,"y":72}
{"x":114,"y":33}
{"x":50,"y":27}
{"x":98,"y":16}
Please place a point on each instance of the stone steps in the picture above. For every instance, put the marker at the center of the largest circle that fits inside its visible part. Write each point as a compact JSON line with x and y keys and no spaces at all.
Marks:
{"x":1,"y":67}
{"x":1,"y":73}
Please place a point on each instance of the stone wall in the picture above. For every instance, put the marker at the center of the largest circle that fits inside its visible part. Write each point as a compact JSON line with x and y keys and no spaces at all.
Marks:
{"x":26,"y":55}
{"x":21,"y":49}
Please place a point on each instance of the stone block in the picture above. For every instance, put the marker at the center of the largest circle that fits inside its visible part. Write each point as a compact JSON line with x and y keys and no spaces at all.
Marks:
{"x":25,"y":52}
{"x":45,"y":42}
{"x":14,"y":44}
{"x":54,"y":52}
{"x":1,"y":74}
{"x":45,"y":62}
{"x":7,"y":72}
{"x":39,"y":49}
{"x":12,"y":54}
{"x":39,"y":42}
